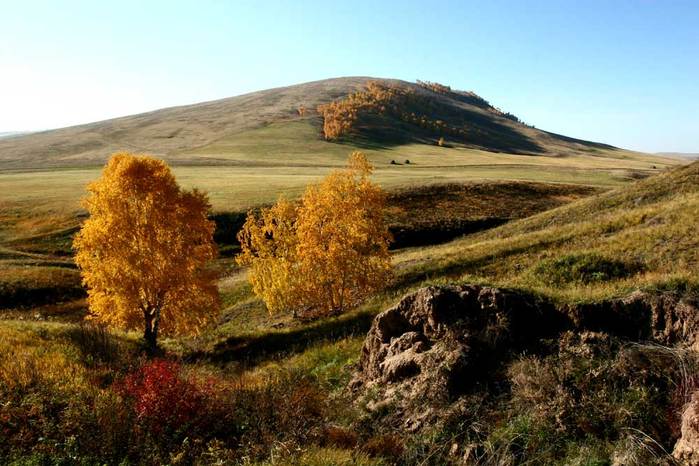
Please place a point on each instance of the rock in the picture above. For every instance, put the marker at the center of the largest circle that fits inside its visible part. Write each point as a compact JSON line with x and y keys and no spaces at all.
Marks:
{"x":663,"y":318}
{"x":687,"y":447}
{"x":440,"y":343}
{"x":400,"y":366}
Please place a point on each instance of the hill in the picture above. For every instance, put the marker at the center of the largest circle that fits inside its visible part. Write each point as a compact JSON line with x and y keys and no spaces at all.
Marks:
{"x":637,"y":236}
{"x":684,"y":155}
{"x":269,"y":127}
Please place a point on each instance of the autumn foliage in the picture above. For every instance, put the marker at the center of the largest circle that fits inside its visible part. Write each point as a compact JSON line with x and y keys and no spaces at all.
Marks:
{"x":162,"y":400}
{"x":341,"y":117}
{"x":324,"y":254}
{"x":144,"y":249}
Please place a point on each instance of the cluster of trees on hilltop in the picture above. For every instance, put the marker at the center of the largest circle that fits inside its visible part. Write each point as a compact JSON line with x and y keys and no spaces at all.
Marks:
{"x":478,"y":100}
{"x":434,"y":87}
{"x":340,"y":117}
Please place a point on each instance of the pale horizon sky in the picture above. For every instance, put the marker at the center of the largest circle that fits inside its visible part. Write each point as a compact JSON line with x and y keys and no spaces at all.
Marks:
{"x":623,"y":72}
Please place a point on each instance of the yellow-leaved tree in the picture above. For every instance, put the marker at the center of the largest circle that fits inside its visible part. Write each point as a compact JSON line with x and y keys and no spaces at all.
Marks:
{"x":324,"y":254}
{"x":144,"y":249}
{"x":269,"y":245}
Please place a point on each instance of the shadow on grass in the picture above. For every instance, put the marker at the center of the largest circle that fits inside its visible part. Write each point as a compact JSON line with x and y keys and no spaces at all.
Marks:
{"x":253,"y":349}
{"x":428,"y":235}
{"x":31,"y":296}
{"x":98,"y":345}
{"x":454,"y":269}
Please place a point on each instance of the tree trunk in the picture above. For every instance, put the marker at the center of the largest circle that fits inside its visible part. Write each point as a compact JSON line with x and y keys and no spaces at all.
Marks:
{"x":150,"y":334}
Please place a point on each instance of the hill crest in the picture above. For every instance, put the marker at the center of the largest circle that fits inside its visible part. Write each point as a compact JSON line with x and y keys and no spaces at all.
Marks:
{"x":181,"y":134}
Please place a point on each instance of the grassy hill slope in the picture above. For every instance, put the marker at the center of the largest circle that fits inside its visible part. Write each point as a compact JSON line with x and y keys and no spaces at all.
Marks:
{"x":637,"y":236}
{"x":265,"y":127}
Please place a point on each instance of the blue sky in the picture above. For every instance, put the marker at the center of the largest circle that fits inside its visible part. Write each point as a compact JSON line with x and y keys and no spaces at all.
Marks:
{"x":615,"y":71}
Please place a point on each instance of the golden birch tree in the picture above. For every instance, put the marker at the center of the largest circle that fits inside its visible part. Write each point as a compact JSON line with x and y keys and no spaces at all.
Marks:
{"x":326,"y":254}
{"x":268,"y":246}
{"x":143,"y":250}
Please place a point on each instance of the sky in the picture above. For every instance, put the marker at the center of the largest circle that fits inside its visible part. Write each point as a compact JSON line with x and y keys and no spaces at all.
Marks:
{"x":615,"y":71}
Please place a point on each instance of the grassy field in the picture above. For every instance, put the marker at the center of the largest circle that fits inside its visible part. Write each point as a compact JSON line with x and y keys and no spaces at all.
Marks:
{"x":238,"y":187}
{"x":572,"y":224}
{"x":648,"y":227}
{"x":285,"y":380}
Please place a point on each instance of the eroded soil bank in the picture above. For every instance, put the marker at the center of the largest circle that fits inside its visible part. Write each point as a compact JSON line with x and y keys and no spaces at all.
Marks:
{"x":440,"y":345}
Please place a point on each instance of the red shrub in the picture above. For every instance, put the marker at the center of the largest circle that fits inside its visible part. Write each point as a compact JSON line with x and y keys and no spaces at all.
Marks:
{"x":162,"y":399}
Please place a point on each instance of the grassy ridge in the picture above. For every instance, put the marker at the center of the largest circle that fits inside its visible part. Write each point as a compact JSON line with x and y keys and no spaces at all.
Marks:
{"x":652,"y":223}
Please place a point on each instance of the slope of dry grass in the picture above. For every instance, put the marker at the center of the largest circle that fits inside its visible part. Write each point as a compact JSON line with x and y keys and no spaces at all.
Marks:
{"x":216,"y":132}
{"x":650,"y":226}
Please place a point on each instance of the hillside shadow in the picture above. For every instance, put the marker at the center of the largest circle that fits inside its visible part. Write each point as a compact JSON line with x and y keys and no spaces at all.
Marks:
{"x":430,"y":235}
{"x":256,"y":348}
{"x":388,"y":132}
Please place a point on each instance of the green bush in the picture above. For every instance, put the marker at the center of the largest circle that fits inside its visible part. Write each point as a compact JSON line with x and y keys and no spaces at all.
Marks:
{"x":583,"y":269}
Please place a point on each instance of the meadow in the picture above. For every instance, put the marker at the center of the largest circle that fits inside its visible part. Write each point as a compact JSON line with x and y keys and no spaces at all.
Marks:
{"x":245,"y":181}
{"x":579,"y":222}
{"x":64,"y":381}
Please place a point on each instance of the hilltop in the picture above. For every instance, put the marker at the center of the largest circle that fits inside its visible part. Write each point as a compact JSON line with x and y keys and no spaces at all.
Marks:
{"x":283,"y":126}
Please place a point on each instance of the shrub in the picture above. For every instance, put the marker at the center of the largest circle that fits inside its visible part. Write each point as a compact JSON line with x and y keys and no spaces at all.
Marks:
{"x":162,"y":400}
{"x":583,"y":269}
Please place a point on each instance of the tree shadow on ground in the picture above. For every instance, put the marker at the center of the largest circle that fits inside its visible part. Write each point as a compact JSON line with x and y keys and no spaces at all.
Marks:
{"x":253,"y":349}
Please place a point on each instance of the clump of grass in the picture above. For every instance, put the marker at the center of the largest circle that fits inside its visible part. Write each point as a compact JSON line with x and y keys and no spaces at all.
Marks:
{"x":323,"y":457}
{"x":583,"y":268}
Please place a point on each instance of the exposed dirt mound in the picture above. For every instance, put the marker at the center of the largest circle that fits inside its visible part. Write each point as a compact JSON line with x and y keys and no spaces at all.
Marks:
{"x":443,"y":342}
{"x":687,"y":447}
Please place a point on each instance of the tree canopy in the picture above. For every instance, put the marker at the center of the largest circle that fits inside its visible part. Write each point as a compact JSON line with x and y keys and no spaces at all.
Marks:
{"x":143,"y":250}
{"x":325,"y":253}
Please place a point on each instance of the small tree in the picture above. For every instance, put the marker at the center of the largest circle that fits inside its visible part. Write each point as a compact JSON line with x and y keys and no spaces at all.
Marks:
{"x":269,"y":246}
{"x":325,"y":255}
{"x":144,"y":249}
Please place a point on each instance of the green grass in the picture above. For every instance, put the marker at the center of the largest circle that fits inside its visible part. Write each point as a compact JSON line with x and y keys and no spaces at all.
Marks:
{"x":284,"y":157}
{"x":239,"y":188}
{"x":651,"y":223}
{"x":559,"y":253}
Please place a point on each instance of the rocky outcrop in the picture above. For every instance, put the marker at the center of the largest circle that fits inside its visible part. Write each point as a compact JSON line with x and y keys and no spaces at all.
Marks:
{"x":441,"y":342}
{"x":663,"y":318}
{"x":687,"y":447}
